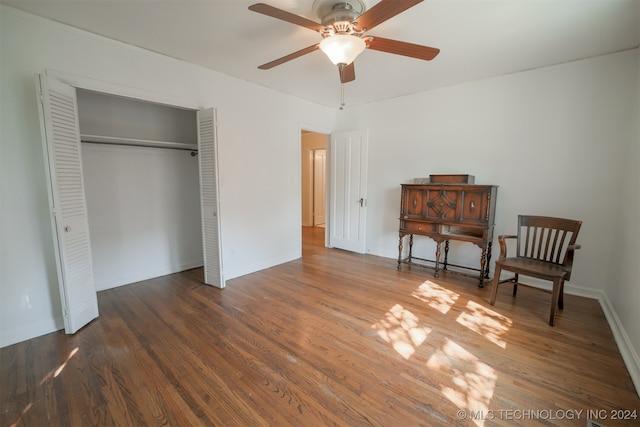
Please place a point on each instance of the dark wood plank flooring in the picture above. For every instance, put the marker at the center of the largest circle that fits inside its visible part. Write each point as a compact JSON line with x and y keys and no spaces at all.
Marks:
{"x":334,"y":338}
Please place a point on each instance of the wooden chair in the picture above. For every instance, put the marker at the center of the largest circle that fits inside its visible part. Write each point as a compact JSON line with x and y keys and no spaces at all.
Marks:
{"x":545,"y":248}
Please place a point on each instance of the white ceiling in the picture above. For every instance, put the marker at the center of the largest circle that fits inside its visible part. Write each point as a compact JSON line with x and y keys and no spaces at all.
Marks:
{"x":478,"y":39}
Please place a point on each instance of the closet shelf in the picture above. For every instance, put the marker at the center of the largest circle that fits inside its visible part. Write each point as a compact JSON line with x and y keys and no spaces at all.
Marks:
{"x":114,"y":140}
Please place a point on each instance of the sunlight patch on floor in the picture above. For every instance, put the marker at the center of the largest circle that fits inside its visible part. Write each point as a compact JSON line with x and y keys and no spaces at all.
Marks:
{"x":47,"y":377}
{"x":64,"y":364}
{"x":24,"y":411}
{"x":472,"y":381}
{"x":59,"y":369}
{"x":401,"y":329}
{"x":436,"y":296}
{"x":486,"y":322}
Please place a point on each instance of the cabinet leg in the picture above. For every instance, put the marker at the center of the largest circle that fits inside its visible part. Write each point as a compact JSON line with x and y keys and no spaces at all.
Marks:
{"x":486,"y":273}
{"x":400,"y":251}
{"x":446,"y":254}
{"x":437,"y":272}
{"x":410,"y":246}
{"x":483,"y":262}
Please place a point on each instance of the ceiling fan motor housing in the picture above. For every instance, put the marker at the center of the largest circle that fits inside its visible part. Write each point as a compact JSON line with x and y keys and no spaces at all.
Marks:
{"x":323,"y":8}
{"x":341,"y":12}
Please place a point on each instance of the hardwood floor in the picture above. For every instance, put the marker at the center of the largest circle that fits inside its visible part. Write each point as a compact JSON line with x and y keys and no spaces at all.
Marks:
{"x":334,"y":338}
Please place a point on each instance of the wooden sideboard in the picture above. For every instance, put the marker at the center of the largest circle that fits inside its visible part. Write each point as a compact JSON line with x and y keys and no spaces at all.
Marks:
{"x":448,"y":211}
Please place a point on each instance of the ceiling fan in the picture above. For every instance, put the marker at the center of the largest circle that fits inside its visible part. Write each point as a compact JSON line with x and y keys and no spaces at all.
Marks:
{"x":343,"y":26}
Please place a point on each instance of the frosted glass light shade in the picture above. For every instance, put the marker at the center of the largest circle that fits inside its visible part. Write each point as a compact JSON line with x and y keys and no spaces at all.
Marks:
{"x":342,"y":48}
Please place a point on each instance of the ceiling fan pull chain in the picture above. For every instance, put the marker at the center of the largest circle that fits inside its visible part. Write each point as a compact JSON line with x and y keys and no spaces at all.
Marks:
{"x":342,"y":104}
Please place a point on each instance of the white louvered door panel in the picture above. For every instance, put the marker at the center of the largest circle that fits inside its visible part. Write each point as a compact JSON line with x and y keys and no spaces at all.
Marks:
{"x":59,"y":116}
{"x":208,"y":157}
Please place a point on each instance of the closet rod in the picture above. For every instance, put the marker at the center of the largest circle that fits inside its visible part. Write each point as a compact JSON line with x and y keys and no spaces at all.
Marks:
{"x":113,"y":140}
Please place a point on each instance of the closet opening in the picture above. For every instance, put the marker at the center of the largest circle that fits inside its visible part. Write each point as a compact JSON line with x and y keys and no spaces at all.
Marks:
{"x":143,"y":216}
{"x":142,"y":188}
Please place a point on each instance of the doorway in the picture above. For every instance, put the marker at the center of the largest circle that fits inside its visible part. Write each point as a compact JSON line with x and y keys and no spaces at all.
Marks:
{"x":313,"y":182}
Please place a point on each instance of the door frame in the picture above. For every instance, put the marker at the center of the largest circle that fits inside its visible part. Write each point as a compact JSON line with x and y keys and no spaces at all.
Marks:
{"x":81,"y":82}
{"x":327,"y":133}
{"x":108,"y":88}
{"x":329,"y":163}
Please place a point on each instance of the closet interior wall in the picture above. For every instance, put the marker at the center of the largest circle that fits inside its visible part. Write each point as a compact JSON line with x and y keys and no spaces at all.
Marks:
{"x":141,"y":186}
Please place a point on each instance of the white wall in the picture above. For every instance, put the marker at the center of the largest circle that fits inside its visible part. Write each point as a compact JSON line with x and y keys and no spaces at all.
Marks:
{"x":559,"y":141}
{"x":116,"y":116}
{"x":553,"y":139}
{"x":259,"y":156}
{"x":623,"y":286}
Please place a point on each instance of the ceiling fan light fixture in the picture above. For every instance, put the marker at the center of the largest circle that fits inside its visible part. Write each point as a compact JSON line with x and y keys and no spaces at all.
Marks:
{"x":342,"y":48}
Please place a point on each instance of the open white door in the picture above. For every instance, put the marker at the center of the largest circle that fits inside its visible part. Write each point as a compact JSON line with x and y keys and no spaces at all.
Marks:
{"x":208,"y":157}
{"x":63,"y":162}
{"x":348,"y":158}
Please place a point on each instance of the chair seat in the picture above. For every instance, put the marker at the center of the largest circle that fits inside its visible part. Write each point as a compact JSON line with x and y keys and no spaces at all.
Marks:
{"x":533,"y":267}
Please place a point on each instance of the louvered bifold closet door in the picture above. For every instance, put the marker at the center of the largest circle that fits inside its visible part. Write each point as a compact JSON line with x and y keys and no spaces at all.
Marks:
{"x":59,"y":117}
{"x":208,"y":157}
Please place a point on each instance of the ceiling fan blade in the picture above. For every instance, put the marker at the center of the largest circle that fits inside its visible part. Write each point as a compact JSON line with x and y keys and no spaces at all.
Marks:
{"x":347,"y":73}
{"x":289,"y":57}
{"x":382,"y":11}
{"x":403,"y":48}
{"x":274,"y":12}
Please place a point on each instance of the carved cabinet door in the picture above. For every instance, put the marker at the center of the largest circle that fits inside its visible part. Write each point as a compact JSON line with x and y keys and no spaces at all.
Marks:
{"x":443,"y":203}
{"x":474,"y":205}
{"x":414,"y":203}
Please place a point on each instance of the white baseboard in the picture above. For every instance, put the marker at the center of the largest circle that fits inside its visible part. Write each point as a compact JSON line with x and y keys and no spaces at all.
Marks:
{"x":31,"y":330}
{"x":628,"y":352}
{"x":146,"y":275}
{"x":242,"y":270}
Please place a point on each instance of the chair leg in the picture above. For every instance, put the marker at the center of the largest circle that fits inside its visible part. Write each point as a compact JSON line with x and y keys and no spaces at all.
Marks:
{"x":555,"y":295}
{"x":561,"y":296}
{"x":515,"y":285}
{"x":494,"y":286}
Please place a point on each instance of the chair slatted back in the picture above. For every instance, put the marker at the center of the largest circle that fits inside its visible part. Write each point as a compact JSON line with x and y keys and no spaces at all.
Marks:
{"x":546,"y":238}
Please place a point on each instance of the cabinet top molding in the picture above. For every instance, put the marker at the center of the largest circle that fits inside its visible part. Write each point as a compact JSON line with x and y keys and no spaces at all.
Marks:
{"x":452,"y":179}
